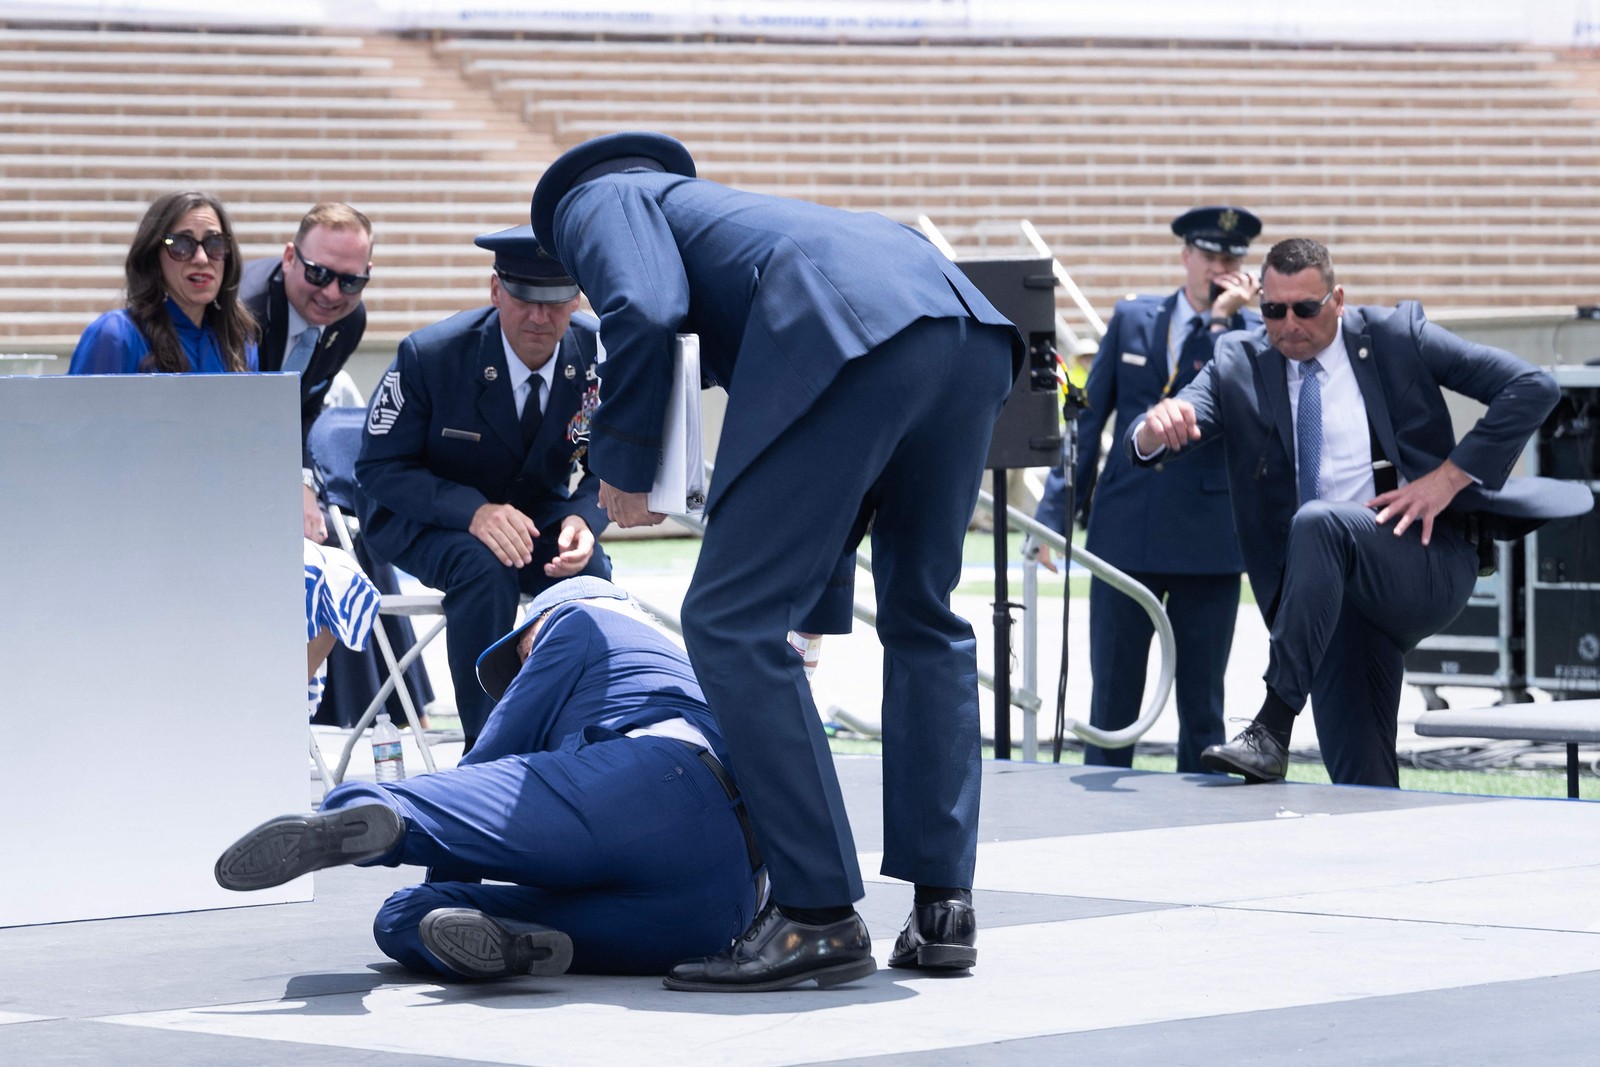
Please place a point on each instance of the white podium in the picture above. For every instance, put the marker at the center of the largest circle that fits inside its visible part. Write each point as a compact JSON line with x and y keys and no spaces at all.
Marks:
{"x":152,"y":638}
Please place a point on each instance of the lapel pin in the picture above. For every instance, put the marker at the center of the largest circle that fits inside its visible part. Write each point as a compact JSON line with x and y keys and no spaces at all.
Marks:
{"x":327,"y":341}
{"x":570,"y":372}
{"x":1361,"y":353}
{"x":490,"y":374}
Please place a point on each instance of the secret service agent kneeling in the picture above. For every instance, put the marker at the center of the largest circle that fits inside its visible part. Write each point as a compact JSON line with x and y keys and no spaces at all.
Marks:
{"x":597,"y":790}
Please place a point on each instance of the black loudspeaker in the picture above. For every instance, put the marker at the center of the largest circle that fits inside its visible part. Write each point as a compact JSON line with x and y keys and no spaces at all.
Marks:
{"x":1028,"y":431}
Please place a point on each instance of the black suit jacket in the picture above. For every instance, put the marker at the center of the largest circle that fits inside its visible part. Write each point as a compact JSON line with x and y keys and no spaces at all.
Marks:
{"x":261,"y":290}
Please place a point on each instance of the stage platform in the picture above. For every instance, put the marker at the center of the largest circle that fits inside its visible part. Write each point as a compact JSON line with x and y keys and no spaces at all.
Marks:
{"x":1126,"y":918}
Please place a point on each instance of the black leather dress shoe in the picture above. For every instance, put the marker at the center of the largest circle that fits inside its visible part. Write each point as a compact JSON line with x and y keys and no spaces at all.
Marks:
{"x":777,"y":952}
{"x":1255,"y":754}
{"x":941,"y":936}
{"x":282,"y":849}
{"x":476,"y":945}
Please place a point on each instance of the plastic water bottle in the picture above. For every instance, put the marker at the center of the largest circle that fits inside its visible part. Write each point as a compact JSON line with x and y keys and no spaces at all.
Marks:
{"x":388,"y":759}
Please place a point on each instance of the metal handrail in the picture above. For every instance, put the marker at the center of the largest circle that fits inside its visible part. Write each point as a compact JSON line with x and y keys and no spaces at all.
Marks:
{"x":1122,"y":583}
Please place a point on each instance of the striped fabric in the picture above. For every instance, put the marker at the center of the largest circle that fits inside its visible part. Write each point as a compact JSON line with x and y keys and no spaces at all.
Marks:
{"x":340,"y":599}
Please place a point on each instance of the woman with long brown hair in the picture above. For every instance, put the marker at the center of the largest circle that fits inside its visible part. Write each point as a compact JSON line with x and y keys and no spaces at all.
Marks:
{"x":183,"y":313}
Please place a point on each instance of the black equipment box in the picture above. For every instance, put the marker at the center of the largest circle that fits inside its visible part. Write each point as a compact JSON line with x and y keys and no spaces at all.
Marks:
{"x":1028,"y":431}
{"x":1563,"y":587}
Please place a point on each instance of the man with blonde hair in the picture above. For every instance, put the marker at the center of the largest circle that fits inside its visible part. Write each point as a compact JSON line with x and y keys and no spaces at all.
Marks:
{"x":308,"y":304}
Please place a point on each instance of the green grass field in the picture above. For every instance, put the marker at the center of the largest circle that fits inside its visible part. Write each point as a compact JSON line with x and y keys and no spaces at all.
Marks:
{"x":1498,"y":783}
{"x":677,"y":554}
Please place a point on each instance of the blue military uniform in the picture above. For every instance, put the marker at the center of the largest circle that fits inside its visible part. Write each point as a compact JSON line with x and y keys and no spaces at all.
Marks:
{"x":443,"y":438}
{"x":1192,"y":566}
{"x":864,"y":373}
{"x":622,"y":838}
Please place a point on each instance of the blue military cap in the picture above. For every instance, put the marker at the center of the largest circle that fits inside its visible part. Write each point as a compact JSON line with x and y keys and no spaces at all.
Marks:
{"x":613,"y":152}
{"x":499,"y":663}
{"x":1224,"y":230}
{"x":527,"y":271}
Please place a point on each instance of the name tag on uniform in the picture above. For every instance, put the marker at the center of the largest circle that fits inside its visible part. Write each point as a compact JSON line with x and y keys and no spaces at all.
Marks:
{"x":460,"y":435}
{"x":1133,"y":357}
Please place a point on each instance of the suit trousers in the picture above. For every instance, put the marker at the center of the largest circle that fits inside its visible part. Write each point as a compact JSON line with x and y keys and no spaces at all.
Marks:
{"x":1202,"y":609}
{"x":1355,"y":600}
{"x":629,"y":845}
{"x":481,"y":595}
{"x":898,"y":438}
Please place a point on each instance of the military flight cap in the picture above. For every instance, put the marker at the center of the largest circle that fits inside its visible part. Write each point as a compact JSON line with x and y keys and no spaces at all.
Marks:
{"x":1227,"y":231}
{"x":527,"y":271}
{"x":499,"y":663}
{"x":613,"y":152}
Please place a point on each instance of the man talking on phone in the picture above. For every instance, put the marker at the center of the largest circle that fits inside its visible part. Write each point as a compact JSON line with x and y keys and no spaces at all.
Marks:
{"x":1154,"y":346}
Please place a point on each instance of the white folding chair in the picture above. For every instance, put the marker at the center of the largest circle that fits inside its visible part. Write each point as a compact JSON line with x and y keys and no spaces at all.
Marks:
{"x":335,"y":441}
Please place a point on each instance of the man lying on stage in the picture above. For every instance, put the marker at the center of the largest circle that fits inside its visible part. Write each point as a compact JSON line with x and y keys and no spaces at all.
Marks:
{"x":597,"y":789}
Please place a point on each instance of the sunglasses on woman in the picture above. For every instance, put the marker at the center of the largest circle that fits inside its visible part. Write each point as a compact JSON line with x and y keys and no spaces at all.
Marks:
{"x":318,"y":276}
{"x":1303,"y":309}
{"x":181,"y":247}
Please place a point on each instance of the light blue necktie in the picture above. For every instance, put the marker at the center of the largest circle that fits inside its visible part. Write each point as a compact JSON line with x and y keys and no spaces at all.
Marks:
{"x":300,"y":355}
{"x":1308,"y":430}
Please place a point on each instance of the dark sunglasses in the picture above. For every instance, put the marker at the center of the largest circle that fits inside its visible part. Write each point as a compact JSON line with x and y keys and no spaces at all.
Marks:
{"x":1303,"y":309}
{"x":181,"y":247}
{"x":318,"y":276}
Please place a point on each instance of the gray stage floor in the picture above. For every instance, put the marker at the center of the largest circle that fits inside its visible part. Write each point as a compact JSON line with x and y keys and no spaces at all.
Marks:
{"x":1126,"y":918}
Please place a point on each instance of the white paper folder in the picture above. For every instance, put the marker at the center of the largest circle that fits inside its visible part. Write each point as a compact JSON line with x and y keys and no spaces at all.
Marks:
{"x":680,"y":486}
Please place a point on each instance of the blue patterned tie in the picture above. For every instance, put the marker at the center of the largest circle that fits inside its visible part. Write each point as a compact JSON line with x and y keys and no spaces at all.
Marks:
{"x":300,"y":355}
{"x":1308,"y":430}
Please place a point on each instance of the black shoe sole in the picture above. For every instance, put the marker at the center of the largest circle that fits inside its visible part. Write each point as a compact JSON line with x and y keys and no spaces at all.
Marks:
{"x":938,"y":958}
{"x":1216,"y":764}
{"x":476,"y":945}
{"x":282,"y":849}
{"x":836,"y":974}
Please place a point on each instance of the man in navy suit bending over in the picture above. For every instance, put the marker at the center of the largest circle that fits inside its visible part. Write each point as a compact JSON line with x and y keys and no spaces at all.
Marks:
{"x":1359,"y":513}
{"x":1153,"y":347}
{"x":864,"y":374}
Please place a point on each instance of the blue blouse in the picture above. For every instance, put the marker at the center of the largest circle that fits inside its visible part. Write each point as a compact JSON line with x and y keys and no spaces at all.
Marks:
{"x":112,"y":344}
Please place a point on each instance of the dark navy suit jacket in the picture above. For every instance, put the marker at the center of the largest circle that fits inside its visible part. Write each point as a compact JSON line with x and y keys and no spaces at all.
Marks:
{"x":442,"y":437}
{"x":261,"y":290}
{"x":1129,"y":374}
{"x":1402,"y":364}
{"x":779,"y":291}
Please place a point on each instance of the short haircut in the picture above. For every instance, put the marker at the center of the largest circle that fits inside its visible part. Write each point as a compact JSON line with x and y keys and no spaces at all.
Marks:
{"x":335,"y":216}
{"x":1298,"y":254}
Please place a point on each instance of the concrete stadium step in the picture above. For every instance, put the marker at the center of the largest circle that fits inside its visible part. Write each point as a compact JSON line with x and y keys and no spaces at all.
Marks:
{"x":1045,"y":55}
{"x":981,"y":71}
{"x":157,"y":83}
{"x":110,"y":40}
{"x":195,"y":62}
{"x":1377,"y":98}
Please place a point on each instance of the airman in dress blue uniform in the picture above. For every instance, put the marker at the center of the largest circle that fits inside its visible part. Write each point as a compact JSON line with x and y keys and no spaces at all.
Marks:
{"x":864,"y":374}
{"x":1153,"y":347}
{"x":471,"y":441}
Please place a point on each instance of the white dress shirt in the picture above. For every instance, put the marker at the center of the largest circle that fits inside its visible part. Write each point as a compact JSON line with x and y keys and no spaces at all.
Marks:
{"x":525,"y":382}
{"x":1346,"y":473}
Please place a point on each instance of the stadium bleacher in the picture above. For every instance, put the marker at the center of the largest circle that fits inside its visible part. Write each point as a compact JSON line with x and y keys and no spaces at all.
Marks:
{"x":1460,"y":176}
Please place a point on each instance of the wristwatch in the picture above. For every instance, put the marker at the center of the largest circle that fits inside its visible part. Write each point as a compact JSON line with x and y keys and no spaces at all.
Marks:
{"x":308,"y":478}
